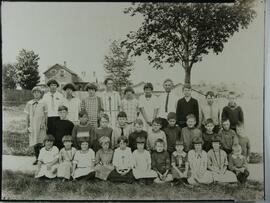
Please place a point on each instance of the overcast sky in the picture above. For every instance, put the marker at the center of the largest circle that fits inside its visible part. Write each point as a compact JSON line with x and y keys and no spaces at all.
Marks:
{"x":80,"y":34}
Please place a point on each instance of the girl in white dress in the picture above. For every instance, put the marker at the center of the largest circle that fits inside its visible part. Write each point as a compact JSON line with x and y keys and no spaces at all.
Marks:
{"x":83,"y":162}
{"x":47,"y":159}
{"x":142,"y":162}
{"x":66,"y":157}
{"x":197,"y":159}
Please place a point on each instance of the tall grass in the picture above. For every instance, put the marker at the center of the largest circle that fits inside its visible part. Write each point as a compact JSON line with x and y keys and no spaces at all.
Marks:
{"x":18,"y":185}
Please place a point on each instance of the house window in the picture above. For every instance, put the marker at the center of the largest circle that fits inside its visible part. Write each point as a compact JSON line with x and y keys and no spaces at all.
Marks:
{"x":62,"y":73}
{"x":53,"y":71}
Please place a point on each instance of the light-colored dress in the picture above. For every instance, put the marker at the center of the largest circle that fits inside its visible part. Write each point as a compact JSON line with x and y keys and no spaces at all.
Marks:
{"x":37,"y":111}
{"x":103,"y":163}
{"x":142,"y":167}
{"x":131,"y":107}
{"x":74,"y":106}
{"x":111,"y":104}
{"x":149,"y":105}
{"x":47,"y":157}
{"x":85,"y":163}
{"x":65,"y":162}
{"x":123,"y":159}
{"x":198,"y":166}
{"x":218,"y":161}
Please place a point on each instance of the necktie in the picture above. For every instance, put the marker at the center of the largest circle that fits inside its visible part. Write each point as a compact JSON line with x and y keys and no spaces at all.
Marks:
{"x":122,"y":131}
{"x":110,"y":105}
{"x":34,"y":107}
{"x":53,"y":106}
{"x":211,"y":111}
{"x":166,"y":104}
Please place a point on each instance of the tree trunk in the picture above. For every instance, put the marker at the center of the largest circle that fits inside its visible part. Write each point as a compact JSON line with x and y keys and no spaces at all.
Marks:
{"x":187,"y":73}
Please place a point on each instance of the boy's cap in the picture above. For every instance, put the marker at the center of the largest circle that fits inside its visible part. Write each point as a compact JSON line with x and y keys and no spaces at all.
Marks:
{"x":179,"y":142}
{"x":171,"y":115}
{"x":129,"y":89}
{"x":107,"y":79}
{"x":197,"y":140}
{"x":38,"y":89}
{"x":92,"y":86}
{"x":104,"y":139}
{"x":49,"y":137}
{"x":62,"y":107}
{"x":140,"y":139}
{"x":67,"y":138}
{"x":52,"y":81}
{"x":69,"y":86}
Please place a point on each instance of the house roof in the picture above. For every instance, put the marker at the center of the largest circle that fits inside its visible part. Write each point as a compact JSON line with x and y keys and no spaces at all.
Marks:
{"x":68,"y":70}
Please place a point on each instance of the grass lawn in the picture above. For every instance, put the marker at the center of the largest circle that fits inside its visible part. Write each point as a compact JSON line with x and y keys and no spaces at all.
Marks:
{"x":18,"y":185}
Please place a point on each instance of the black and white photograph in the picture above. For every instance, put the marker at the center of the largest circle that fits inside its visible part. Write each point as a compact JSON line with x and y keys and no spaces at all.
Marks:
{"x":133,"y":101}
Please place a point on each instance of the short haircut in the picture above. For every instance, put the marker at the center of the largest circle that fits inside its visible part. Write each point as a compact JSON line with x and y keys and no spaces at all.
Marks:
{"x":122,"y":138}
{"x":171,"y":115}
{"x":82,"y":113}
{"x":210,"y":93}
{"x":148,"y":85}
{"x":62,"y":107}
{"x":129,"y":89}
{"x":209,"y":120}
{"x":168,"y":80}
{"x":186,"y":86}
{"x":105,"y":116}
{"x":138,"y":121}
{"x":224,"y":120}
{"x":159,"y":140}
{"x":191,"y":116}
{"x":122,"y":114}
{"x":107,"y":79}
{"x":158,"y":121}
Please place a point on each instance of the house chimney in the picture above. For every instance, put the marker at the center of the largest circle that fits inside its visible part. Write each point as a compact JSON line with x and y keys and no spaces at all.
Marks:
{"x":65,"y":63}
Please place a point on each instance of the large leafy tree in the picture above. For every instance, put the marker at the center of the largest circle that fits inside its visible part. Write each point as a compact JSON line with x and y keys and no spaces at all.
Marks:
{"x":9,"y":76}
{"x":27,"y":67}
{"x":118,"y":65}
{"x":182,"y":33}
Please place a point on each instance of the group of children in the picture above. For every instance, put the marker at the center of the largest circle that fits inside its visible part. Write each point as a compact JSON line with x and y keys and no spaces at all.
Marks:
{"x":185,"y":155}
{"x":182,"y":153}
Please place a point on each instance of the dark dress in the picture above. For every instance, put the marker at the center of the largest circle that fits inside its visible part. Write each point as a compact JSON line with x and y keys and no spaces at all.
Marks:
{"x":59,"y":130}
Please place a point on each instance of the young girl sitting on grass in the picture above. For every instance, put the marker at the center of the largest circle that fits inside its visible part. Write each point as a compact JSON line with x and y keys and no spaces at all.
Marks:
{"x":104,"y":158}
{"x":161,"y":162}
{"x":123,"y":163}
{"x":197,"y":159}
{"x":66,"y":157}
{"x":83,"y":162}
{"x":47,"y":159}
{"x":218,"y":162}
{"x":179,"y":163}
{"x":142,"y":159}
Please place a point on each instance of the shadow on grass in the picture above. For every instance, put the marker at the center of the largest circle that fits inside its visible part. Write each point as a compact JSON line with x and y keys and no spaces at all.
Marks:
{"x":22,"y":186}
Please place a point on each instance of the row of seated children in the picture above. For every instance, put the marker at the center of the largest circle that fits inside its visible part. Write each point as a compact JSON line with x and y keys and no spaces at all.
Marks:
{"x":121,"y":165}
